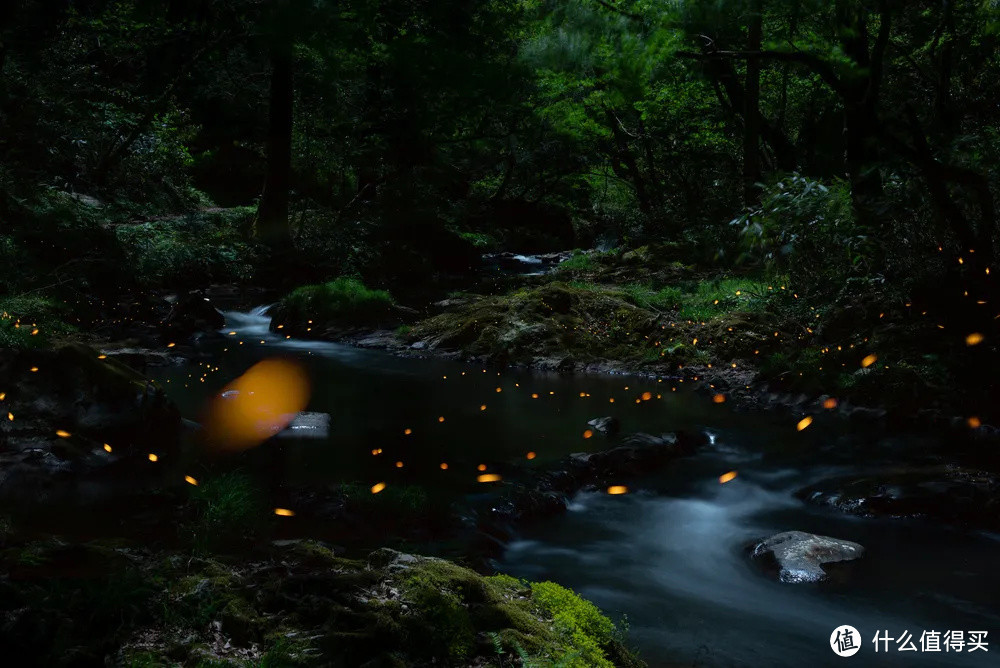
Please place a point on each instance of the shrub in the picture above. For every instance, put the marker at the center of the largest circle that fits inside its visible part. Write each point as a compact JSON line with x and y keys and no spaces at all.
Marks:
{"x":189,"y":250}
{"x":808,"y":229}
{"x":339,"y":300}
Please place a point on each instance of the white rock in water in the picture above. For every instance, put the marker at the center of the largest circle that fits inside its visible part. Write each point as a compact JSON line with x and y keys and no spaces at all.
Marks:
{"x":308,"y":425}
{"x":799,"y":554}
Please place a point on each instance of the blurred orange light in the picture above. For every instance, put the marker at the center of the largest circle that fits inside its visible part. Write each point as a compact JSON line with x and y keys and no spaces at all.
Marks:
{"x":258,"y":404}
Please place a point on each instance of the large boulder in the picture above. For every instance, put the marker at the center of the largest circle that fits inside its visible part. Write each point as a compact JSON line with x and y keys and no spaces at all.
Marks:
{"x":799,"y":556}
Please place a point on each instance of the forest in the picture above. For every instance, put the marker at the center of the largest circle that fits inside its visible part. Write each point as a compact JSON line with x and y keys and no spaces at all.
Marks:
{"x":499,"y":333}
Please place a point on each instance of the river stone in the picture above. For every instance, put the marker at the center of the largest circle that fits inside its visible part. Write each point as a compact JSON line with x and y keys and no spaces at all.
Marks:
{"x":310,"y":425}
{"x":606,"y":425}
{"x":800,"y":555}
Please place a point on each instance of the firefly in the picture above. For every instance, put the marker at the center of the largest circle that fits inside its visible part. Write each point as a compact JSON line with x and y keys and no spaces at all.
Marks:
{"x":378,"y":487}
{"x":284,"y":512}
{"x":191,"y":481}
{"x":618,"y":489}
{"x":489,"y":477}
{"x":803,"y":423}
{"x":726,"y":477}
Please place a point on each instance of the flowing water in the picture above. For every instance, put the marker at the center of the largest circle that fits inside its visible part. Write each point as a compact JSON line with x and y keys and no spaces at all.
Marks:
{"x":670,"y":555}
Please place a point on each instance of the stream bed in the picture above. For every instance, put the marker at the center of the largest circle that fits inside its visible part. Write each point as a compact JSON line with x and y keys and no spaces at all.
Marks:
{"x":671,"y":554}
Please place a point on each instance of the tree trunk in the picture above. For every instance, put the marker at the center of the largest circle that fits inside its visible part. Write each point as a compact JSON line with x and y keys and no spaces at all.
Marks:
{"x":751,"y":112}
{"x":271,"y":226}
{"x":624,"y":153}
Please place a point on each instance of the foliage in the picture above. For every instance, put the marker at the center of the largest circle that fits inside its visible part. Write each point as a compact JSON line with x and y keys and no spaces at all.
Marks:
{"x":343,"y":299}
{"x":582,"y":626}
{"x":30,"y":321}
{"x":808,"y":230}
{"x":190,"y":250}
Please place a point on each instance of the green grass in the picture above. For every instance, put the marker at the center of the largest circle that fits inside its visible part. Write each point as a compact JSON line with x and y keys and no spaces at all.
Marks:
{"x":340,"y":299}
{"x":229,"y":508}
{"x":579,"y":261}
{"x":703,"y":300}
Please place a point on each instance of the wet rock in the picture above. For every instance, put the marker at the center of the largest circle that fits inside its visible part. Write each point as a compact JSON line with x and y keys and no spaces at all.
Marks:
{"x":190,"y":314}
{"x":307,"y":425}
{"x":945,"y":493}
{"x":66,"y":405}
{"x":526,"y":503}
{"x":606,"y":425}
{"x":799,"y":556}
{"x":638,"y":454}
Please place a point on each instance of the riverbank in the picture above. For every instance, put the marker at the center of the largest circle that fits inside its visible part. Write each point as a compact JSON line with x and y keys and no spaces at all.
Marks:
{"x":751,"y":341}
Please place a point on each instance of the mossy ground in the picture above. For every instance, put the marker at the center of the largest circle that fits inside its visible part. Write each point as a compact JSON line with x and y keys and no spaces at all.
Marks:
{"x":293,"y":603}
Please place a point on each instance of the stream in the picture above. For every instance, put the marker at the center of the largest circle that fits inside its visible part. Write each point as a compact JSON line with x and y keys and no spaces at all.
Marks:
{"x":669,"y":555}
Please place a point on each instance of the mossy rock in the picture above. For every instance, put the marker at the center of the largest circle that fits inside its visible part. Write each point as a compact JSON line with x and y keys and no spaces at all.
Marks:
{"x":555,"y":320}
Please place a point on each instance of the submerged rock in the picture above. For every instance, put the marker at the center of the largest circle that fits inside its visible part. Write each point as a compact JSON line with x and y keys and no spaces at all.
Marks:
{"x":799,"y":556}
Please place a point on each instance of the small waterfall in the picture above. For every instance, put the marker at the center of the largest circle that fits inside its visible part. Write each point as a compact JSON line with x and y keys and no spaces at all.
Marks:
{"x":255,"y":322}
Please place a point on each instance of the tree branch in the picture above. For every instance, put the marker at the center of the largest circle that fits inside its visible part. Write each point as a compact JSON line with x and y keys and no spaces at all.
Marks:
{"x":821,"y":67}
